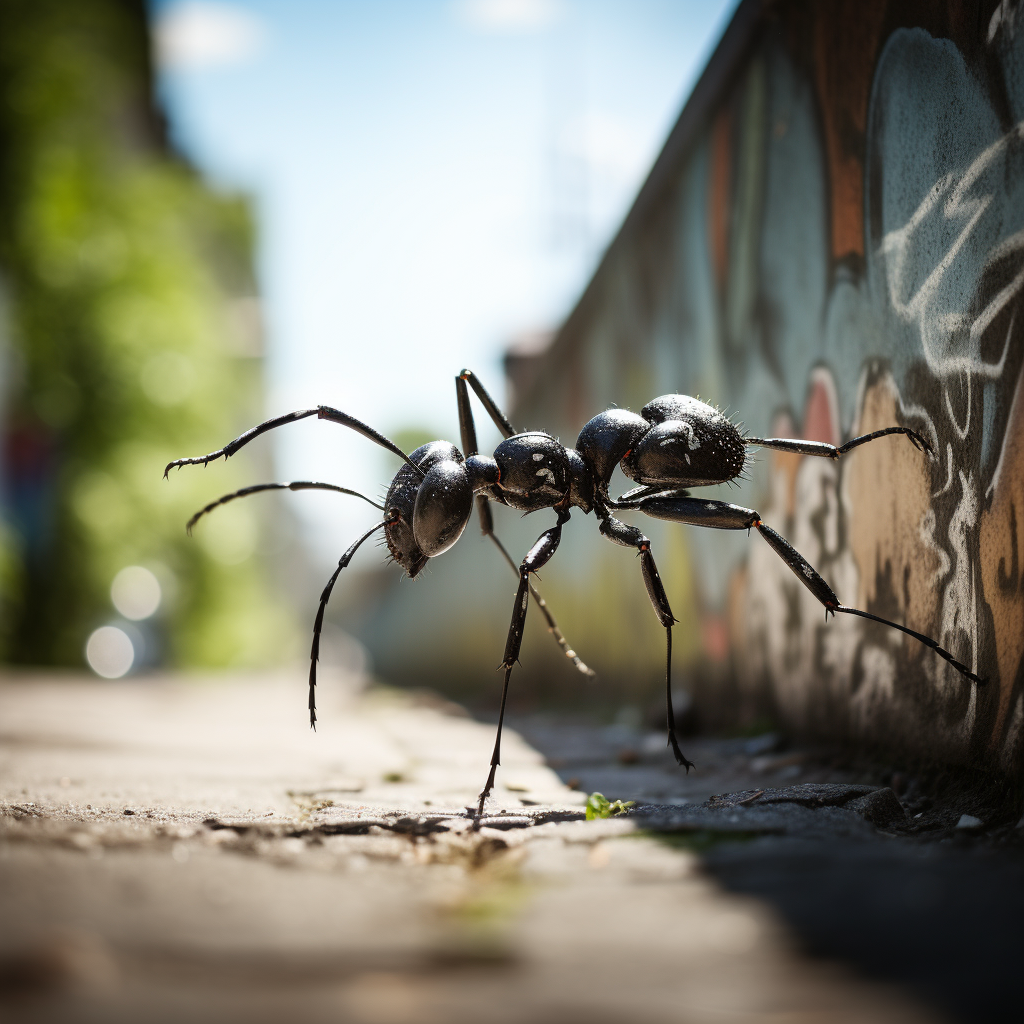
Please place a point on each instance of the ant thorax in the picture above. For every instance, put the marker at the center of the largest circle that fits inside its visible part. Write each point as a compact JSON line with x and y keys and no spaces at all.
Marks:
{"x":533,"y":471}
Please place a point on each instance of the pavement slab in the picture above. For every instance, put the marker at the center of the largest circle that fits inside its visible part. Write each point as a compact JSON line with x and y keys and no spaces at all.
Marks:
{"x":185,"y":847}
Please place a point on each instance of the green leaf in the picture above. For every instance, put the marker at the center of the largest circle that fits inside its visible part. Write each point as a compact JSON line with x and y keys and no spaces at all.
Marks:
{"x":598,"y":806}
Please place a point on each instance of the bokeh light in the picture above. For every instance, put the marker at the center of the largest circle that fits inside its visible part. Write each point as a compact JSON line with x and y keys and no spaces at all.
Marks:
{"x":135,"y":592}
{"x":109,"y":652}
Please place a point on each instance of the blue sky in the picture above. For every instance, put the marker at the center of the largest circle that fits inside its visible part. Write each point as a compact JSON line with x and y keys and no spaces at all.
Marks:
{"x":431,"y":177}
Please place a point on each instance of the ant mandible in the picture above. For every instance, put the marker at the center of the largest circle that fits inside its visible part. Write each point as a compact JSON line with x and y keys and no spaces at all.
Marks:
{"x":676,"y":442}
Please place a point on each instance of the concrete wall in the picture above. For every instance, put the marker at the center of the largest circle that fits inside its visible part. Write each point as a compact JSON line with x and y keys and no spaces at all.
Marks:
{"x":831,"y":242}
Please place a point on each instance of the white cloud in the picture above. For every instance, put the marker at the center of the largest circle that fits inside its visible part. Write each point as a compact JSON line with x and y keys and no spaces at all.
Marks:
{"x":196,"y":34}
{"x":509,"y":15}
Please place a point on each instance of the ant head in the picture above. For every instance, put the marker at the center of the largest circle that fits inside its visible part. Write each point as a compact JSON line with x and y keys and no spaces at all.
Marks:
{"x":430,"y":511}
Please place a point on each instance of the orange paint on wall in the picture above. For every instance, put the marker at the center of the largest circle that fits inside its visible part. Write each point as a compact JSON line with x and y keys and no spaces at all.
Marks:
{"x":890,"y":519}
{"x":847,"y":35}
{"x":821,"y":421}
{"x":720,"y":195}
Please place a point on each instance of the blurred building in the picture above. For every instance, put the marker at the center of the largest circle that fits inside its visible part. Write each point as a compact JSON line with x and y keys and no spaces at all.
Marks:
{"x":130,"y":336}
{"x":524,"y":358}
{"x":829,"y":243}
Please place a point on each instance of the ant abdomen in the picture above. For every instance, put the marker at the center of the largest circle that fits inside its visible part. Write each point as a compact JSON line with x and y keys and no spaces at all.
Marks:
{"x":689,"y":444}
{"x":687,"y":453}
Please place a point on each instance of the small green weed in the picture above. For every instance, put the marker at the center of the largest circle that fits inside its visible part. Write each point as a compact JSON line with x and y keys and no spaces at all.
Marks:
{"x":599,"y":806}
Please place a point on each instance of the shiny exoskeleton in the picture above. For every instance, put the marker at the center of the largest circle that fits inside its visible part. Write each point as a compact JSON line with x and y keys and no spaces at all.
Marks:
{"x":675,"y":443}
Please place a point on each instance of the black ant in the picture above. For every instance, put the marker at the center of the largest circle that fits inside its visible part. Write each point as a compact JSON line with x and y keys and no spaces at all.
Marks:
{"x":675,"y":442}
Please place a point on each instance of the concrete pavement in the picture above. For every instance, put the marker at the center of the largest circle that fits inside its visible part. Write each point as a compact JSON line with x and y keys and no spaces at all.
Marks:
{"x":186,"y":848}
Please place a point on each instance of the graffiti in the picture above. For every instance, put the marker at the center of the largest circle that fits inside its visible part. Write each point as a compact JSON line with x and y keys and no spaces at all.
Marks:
{"x":839,"y":247}
{"x":947,"y":217}
{"x":888,"y":251}
{"x":1002,"y":529}
{"x":924,"y":332}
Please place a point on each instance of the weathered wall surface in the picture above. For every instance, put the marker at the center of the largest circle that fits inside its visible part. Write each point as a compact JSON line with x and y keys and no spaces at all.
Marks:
{"x":833,"y":242}
{"x":842,"y":249}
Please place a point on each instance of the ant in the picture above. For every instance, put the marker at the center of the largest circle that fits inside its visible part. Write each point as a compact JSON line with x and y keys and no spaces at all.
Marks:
{"x":675,"y":442}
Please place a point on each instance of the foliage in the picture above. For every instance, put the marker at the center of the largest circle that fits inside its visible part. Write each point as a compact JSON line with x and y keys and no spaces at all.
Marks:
{"x":415,"y":436}
{"x":131,"y":307}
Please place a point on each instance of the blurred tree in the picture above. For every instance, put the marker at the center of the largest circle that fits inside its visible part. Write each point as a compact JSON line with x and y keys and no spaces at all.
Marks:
{"x":134,"y":339}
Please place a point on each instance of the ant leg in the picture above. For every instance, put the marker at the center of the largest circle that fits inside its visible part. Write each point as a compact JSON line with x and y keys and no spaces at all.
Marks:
{"x":323,"y":412}
{"x":483,"y":507}
{"x":500,"y":419}
{"x":632,"y":498}
{"x":830,"y":451}
{"x":720,"y":515}
{"x":631,"y":537}
{"x":318,"y":624}
{"x":537,"y":557}
{"x":470,"y":446}
{"x":542,"y":605}
{"x":294,"y":485}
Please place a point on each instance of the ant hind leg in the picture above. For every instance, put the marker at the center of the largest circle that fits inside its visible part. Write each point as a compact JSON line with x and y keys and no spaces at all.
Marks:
{"x":631,"y":537}
{"x":721,"y":515}
{"x":830,"y":451}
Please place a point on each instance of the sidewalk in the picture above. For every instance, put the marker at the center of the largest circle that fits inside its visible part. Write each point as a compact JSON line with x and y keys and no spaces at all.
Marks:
{"x":187,"y":849}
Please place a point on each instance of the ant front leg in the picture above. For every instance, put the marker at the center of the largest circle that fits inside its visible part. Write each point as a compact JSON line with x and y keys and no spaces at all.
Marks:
{"x":487,"y":526}
{"x":470,"y":445}
{"x":720,"y":515}
{"x":318,"y":624}
{"x":537,"y":557}
{"x":322,"y":412}
{"x":631,"y":537}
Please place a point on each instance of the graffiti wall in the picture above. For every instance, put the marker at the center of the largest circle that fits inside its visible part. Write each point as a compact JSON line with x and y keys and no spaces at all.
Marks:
{"x":831,"y":242}
{"x":838,"y":246}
